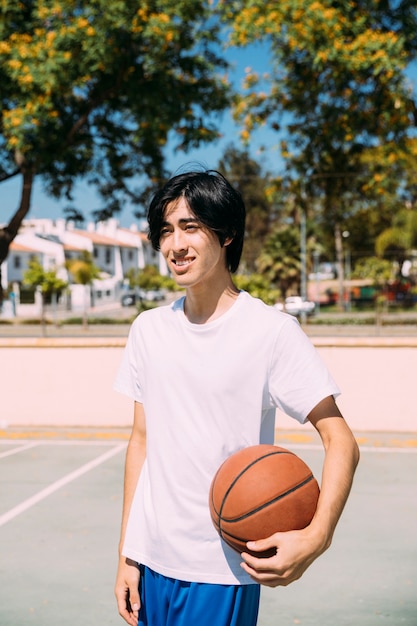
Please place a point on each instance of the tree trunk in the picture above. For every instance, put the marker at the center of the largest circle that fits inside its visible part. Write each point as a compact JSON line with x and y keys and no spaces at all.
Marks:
{"x":9,"y":232}
{"x":85,"y":314}
{"x":43,"y":317}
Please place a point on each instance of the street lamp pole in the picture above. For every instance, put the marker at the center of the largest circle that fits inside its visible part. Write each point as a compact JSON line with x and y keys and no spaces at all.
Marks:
{"x":316,"y":256}
{"x":345,"y":235}
{"x":303,"y":255}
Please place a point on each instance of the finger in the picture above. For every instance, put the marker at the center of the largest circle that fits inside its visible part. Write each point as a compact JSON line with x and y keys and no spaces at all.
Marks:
{"x":265,"y":560}
{"x":265,"y":577}
{"x":268,"y":545}
{"x":262,"y":574}
{"x":128,"y":608}
{"x":128,"y":615}
{"x":134,"y":602}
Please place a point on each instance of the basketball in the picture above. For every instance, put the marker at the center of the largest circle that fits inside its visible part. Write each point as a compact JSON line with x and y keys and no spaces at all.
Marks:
{"x":261,"y":490}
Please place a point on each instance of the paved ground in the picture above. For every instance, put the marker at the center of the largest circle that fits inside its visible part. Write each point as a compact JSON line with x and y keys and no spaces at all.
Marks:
{"x":395,"y":324}
{"x":60,"y":502}
{"x":122,"y":330}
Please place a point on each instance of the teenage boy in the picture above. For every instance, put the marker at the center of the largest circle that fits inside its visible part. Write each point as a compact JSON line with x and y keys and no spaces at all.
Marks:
{"x":206,"y":374}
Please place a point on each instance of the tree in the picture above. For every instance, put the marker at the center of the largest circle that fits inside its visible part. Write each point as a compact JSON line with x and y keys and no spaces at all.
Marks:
{"x":375,"y":269}
{"x":258,"y":286}
{"x":47,"y":281}
{"x":380,"y":271}
{"x":94,"y":89}
{"x":398,"y":241}
{"x":83,"y":272}
{"x":280,"y":259}
{"x":257,"y":190}
{"x":338,"y":85}
{"x":150,"y":278}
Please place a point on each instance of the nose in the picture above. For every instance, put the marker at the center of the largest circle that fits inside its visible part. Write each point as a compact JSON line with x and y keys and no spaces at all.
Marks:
{"x":179,"y":240}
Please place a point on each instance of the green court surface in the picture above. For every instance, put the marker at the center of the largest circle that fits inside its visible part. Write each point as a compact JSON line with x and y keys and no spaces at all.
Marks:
{"x":60,"y":504}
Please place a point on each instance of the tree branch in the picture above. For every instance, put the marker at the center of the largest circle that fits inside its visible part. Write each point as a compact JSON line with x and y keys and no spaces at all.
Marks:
{"x":4,"y":177}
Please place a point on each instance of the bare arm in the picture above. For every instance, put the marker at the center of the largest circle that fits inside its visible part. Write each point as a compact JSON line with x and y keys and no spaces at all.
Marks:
{"x":296,"y":550}
{"x":127,"y":580}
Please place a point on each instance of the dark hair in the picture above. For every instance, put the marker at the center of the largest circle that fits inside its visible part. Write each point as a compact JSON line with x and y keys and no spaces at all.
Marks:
{"x":214,"y":202}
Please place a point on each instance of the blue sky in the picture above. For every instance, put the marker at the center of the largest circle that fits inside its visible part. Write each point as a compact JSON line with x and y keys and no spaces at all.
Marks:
{"x":209,"y":155}
{"x":86,"y":199}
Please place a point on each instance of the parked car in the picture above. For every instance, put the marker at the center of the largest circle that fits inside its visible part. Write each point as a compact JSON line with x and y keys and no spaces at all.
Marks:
{"x":296,"y":305}
{"x":152,"y":295}
{"x":130,"y":298}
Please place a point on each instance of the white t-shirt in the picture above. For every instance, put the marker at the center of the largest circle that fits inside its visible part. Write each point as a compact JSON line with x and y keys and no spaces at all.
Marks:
{"x":208,"y":390}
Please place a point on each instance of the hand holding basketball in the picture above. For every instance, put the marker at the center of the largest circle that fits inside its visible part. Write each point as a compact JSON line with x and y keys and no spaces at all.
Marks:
{"x":261,"y":490}
{"x":295,"y":552}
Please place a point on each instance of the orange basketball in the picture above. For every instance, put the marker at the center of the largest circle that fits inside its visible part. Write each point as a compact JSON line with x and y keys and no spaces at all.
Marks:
{"x":261,"y":490}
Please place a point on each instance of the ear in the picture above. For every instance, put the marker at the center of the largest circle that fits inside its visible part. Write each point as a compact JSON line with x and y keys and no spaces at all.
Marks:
{"x":228,"y":241}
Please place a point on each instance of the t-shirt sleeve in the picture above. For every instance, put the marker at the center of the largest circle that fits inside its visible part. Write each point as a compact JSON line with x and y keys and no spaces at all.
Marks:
{"x":299,"y":379}
{"x":129,"y":376}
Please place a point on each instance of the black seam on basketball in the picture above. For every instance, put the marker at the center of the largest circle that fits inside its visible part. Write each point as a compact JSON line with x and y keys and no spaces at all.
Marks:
{"x":254,"y":462}
{"x":263,"y":506}
{"x":226,"y":535}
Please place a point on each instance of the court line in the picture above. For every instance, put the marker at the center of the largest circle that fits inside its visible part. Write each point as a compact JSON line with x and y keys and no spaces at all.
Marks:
{"x":33,"y":444}
{"x":374,"y":449}
{"x":388,"y":450}
{"x":406,"y":449}
{"x":44,"y":493}
{"x":61,"y":442}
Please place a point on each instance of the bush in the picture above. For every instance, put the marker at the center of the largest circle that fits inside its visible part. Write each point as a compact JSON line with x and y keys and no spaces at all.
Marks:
{"x":258,"y":287}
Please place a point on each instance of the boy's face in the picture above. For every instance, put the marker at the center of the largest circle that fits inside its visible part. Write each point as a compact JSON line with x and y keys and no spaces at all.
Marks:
{"x":192,"y":251}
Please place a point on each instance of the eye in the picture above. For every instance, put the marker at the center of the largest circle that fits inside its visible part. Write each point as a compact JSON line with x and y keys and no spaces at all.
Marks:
{"x":191,"y":227}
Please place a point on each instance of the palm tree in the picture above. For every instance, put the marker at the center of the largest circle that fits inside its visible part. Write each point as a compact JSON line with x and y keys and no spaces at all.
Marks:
{"x":398,"y":241}
{"x":280,"y":259}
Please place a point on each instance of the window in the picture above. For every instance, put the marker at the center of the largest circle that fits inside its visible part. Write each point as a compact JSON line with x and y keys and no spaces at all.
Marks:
{"x":108,"y":255}
{"x":17,"y":262}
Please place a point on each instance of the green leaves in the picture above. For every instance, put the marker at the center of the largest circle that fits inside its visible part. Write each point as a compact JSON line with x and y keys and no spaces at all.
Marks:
{"x":83,"y":270}
{"x":47,"y":280}
{"x":339,"y":95}
{"x":94,"y":89}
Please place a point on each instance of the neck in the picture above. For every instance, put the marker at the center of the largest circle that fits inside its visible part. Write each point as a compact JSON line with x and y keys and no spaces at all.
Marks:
{"x":206,"y":305}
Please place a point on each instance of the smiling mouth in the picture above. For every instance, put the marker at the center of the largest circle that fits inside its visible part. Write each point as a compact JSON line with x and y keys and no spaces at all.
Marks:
{"x":182,"y":262}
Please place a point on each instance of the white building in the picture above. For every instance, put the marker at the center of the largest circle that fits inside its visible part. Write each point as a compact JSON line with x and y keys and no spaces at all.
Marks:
{"x":115,"y":250}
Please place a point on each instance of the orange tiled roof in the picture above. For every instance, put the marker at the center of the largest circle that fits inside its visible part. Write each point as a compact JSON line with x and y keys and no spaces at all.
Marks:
{"x":18,"y":247}
{"x":101,"y":240}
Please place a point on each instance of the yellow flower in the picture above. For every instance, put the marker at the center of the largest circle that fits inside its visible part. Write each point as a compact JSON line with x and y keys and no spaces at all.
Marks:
{"x":15,"y":64}
{"x":142,"y":14}
{"x":163,"y":17}
{"x":15,"y":122}
{"x":4,"y":47}
{"x":43,"y":12}
{"x":25,"y":79}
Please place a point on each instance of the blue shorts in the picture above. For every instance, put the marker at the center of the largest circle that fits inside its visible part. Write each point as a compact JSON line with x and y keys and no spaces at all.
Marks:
{"x":170,"y":602}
